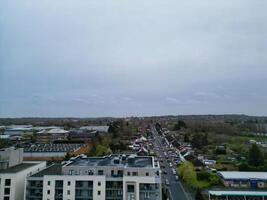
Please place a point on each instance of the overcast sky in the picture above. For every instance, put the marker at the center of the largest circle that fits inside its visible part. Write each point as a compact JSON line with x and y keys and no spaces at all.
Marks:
{"x":91,"y":58}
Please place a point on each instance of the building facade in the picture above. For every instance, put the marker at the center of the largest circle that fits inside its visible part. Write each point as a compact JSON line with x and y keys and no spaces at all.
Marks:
{"x":236,"y":179}
{"x":114,"y":177}
{"x":13,"y":173}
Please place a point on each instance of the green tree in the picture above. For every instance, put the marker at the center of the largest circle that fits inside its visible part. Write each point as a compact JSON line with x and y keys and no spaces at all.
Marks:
{"x":186,"y":138}
{"x":67,"y":156}
{"x":255,"y":156}
{"x":180,"y":124}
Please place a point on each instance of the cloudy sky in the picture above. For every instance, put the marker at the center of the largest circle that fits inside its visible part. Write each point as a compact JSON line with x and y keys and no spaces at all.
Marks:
{"x":90,"y":58}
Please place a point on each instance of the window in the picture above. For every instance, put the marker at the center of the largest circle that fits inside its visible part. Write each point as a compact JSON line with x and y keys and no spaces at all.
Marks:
{"x":48,"y":191}
{"x":147,"y":174}
{"x":130,"y":188}
{"x":99,"y":192}
{"x":8,"y":182}
{"x":129,"y":173}
{"x":48,"y":182}
{"x":99,"y":183}
{"x":68,"y":183}
{"x":6,"y":198}
{"x":135,"y":174}
{"x":100,"y":172}
{"x":7,"y":190}
{"x":68,"y":192}
{"x":112,"y":172}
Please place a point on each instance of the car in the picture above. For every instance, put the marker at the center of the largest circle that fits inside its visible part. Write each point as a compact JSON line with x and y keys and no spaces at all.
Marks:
{"x":177,"y":178}
{"x":167,"y":182}
{"x":174,"y":171}
{"x":164,"y":171}
{"x":170,"y":164}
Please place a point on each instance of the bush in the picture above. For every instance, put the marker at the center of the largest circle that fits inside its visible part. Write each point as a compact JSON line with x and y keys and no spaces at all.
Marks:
{"x":203,"y":175}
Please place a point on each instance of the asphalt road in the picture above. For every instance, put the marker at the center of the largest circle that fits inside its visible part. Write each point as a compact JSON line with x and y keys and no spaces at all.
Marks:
{"x":176,"y":189}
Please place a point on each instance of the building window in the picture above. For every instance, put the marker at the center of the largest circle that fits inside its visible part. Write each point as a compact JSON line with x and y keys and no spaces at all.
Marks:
{"x":6,"y":198}
{"x":129,"y":173}
{"x":100,"y":172}
{"x":147,"y":174}
{"x":48,"y":191}
{"x":99,"y":183}
{"x":68,"y":183}
{"x":8,"y":182}
{"x":48,"y":182}
{"x":99,"y":192}
{"x":7,"y":190}
{"x":135,"y":174}
{"x":68,"y":192}
{"x":130,"y":188}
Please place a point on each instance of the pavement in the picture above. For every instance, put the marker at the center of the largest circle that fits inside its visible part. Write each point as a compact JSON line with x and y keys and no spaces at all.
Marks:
{"x":176,"y":189}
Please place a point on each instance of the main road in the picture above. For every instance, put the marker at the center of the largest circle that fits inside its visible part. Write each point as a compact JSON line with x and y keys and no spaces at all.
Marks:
{"x":176,"y":189}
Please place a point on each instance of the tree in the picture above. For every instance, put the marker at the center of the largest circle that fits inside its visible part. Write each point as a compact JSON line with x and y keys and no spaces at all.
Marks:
{"x":180,"y":124}
{"x":186,"y":138}
{"x":255,"y":156}
{"x":67,"y":156}
{"x":199,"y":195}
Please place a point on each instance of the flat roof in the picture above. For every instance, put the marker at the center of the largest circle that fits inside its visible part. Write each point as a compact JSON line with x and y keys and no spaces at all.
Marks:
{"x":55,"y":169}
{"x":17,"y":168}
{"x":243,"y":175}
{"x":113,"y":160}
{"x":238,"y":193}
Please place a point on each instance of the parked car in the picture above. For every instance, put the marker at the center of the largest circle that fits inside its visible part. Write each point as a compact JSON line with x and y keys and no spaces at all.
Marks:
{"x":177,"y":178}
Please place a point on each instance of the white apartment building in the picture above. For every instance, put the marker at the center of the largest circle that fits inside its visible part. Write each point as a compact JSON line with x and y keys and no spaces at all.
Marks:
{"x":114,"y":177}
{"x":13,"y":173}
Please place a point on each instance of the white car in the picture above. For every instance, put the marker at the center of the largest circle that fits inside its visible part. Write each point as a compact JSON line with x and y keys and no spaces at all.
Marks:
{"x":167,"y":182}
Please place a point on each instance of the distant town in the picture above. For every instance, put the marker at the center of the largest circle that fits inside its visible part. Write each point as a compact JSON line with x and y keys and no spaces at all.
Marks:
{"x":213,"y":157}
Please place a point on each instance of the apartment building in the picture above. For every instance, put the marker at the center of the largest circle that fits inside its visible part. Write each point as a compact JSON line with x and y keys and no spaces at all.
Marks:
{"x":114,"y":177}
{"x":13,"y":173}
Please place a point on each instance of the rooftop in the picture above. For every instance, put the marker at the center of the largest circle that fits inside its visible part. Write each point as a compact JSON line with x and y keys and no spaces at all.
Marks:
{"x":17,"y":168}
{"x":65,"y":147}
{"x":243,"y":175}
{"x":113,"y":160}
{"x":51,"y":170}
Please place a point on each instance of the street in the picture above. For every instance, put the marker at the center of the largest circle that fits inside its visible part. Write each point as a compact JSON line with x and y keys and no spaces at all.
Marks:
{"x":175,"y":187}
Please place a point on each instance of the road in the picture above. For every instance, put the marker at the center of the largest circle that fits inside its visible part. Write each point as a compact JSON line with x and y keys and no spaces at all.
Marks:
{"x":176,"y":189}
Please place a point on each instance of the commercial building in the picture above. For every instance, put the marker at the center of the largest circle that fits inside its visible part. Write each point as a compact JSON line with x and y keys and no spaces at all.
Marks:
{"x":236,"y":179}
{"x":114,"y":177}
{"x":53,"y":152}
{"x":49,"y":136}
{"x":13,"y":173}
{"x":237,"y":195}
